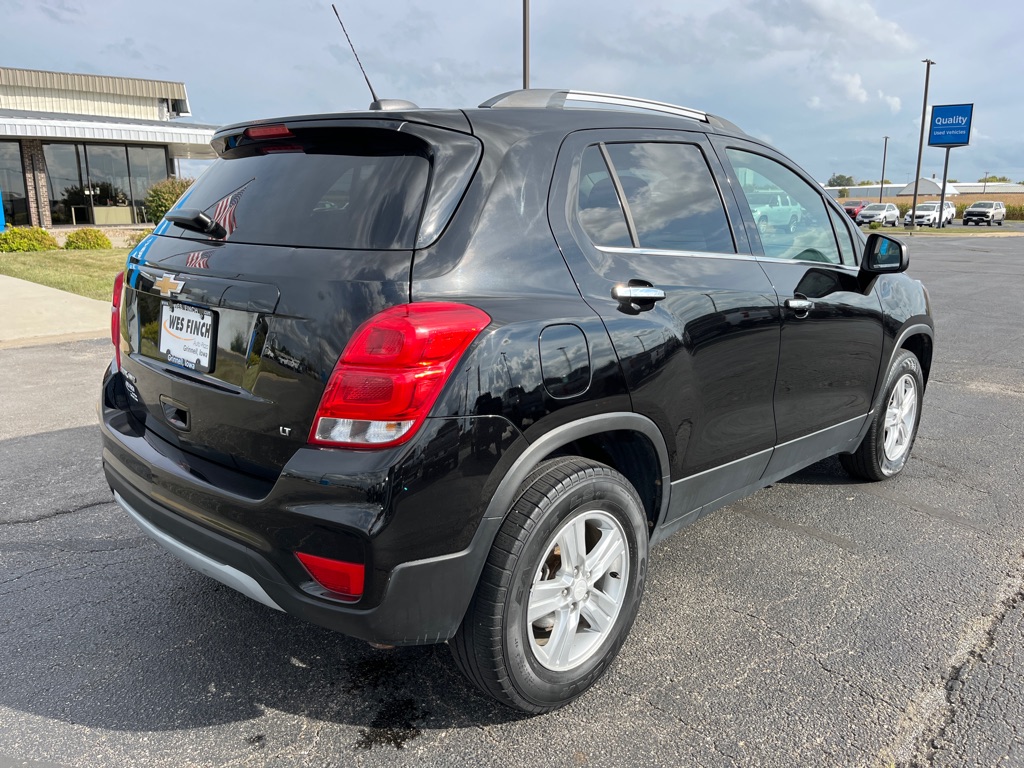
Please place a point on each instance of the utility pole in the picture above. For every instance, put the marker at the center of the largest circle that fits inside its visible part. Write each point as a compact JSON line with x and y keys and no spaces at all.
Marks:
{"x":881,"y":182}
{"x":984,"y":187}
{"x":526,"y":44}
{"x":920,"y":147}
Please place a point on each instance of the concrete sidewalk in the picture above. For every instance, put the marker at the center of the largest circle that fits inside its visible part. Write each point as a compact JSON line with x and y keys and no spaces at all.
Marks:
{"x":32,"y":314}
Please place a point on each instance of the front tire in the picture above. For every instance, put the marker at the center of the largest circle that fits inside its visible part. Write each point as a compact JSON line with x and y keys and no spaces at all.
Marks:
{"x":560,"y":589}
{"x":887,"y":445}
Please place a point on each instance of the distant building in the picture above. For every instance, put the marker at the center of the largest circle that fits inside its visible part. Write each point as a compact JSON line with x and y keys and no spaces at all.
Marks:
{"x":85,"y":149}
{"x":928,"y":187}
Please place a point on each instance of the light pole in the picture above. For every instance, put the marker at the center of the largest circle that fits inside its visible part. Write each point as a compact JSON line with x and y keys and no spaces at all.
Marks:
{"x":881,"y":182}
{"x":920,"y":146}
{"x":526,"y":44}
{"x":984,"y":187}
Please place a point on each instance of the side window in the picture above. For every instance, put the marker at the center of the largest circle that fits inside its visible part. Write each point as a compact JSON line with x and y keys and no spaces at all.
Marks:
{"x":672,"y":197}
{"x":597,"y":203}
{"x":801,"y":230}
{"x":846,"y":245}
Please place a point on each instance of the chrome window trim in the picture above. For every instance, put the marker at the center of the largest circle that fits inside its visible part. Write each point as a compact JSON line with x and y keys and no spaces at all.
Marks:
{"x":666,"y":252}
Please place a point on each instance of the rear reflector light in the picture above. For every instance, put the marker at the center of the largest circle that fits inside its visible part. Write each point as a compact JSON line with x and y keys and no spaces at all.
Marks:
{"x":115,"y":317}
{"x":392,"y":371}
{"x":336,"y":575}
{"x":268,"y":132}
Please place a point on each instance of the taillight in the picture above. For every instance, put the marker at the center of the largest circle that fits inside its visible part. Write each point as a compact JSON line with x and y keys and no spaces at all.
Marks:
{"x":392,"y":371}
{"x":336,"y":575}
{"x":115,"y":317}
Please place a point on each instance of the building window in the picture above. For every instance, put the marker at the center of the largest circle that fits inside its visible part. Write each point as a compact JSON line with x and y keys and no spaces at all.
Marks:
{"x":111,"y":190}
{"x":147,"y":165}
{"x":12,"y":183}
{"x":101,"y":184}
{"x":65,"y":174}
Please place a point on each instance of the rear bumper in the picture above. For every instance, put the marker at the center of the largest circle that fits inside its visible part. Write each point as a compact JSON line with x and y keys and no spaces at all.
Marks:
{"x":422,"y":561}
{"x":424,"y":601}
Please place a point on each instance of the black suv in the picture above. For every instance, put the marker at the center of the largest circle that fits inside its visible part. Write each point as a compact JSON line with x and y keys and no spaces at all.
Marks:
{"x":448,"y":375}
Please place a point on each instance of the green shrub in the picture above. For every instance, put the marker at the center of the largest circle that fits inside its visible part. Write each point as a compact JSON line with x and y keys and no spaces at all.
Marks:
{"x":137,"y":237}
{"x":27,"y":239}
{"x":875,"y":225}
{"x":1015,"y":212}
{"x":163,"y":195}
{"x":86,"y":240}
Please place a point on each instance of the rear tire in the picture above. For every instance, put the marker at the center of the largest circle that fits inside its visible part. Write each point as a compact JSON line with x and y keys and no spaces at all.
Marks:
{"x":887,"y":445}
{"x":560,"y":589}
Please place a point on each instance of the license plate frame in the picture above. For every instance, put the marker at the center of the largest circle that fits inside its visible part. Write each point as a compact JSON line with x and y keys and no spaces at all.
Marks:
{"x":188,"y":336}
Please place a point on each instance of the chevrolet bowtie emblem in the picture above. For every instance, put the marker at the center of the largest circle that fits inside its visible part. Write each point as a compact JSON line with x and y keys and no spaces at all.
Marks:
{"x":167,"y":285}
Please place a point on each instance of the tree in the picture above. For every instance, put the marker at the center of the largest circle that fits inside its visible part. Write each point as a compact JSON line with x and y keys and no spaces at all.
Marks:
{"x":841,"y":180}
{"x":162,"y":195}
{"x":994,"y":180}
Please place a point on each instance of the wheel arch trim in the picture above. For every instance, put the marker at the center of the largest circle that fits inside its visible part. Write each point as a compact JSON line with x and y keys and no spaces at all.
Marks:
{"x":917,"y":329}
{"x":504,"y":496}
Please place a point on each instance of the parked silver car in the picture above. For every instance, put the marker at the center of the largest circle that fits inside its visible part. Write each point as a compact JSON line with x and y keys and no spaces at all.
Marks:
{"x":886,"y":213}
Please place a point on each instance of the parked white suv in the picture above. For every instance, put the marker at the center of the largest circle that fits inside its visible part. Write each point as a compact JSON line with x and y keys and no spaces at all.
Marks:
{"x":985,"y":212}
{"x":927,"y":214}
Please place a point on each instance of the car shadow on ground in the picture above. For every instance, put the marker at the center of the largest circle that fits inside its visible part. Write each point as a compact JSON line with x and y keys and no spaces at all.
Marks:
{"x":825,"y":472}
{"x":169,"y":649}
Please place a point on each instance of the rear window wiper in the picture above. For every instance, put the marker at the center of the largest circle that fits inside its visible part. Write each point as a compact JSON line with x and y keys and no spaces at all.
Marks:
{"x":195,"y":220}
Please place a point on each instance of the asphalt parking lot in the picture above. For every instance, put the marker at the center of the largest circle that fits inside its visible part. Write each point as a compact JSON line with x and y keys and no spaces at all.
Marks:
{"x":821,"y":621}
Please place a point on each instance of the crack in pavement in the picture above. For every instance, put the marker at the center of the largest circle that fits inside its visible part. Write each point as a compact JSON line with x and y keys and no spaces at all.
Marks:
{"x":806,"y":530}
{"x":57,"y":513}
{"x":923,"y":508}
{"x":945,"y":697}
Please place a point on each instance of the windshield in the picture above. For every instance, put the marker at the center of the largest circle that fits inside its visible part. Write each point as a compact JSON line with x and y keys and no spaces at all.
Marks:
{"x":927,"y":207}
{"x":853,"y":202}
{"x":982,"y":205}
{"x":875,"y":207}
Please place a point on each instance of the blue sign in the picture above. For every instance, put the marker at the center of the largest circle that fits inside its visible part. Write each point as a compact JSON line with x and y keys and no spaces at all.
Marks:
{"x":950,"y":126}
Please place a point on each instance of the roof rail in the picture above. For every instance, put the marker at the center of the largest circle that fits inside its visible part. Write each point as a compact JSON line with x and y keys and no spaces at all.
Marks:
{"x":540,"y":98}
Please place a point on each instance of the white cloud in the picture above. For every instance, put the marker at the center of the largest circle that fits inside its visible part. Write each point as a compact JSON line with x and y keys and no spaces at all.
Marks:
{"x":852,"y":87}
{"x":814,"y":103}
{"x":893,"y":102}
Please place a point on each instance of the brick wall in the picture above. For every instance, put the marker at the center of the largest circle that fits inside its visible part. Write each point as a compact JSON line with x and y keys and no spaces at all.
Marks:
{"x":35,"y":182}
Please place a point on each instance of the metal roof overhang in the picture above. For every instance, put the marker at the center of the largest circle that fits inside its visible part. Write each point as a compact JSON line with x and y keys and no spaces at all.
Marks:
{"x":183,"y":140}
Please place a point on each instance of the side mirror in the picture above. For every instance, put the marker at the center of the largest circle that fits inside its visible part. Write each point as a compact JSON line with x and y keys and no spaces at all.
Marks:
{"x":884,"y":255}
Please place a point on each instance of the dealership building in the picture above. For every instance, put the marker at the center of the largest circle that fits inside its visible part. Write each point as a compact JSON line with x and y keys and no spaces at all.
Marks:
{"x":85,"y":149}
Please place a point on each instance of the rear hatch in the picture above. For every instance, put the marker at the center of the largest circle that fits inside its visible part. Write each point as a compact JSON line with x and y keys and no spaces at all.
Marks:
{"x":228,"y":338}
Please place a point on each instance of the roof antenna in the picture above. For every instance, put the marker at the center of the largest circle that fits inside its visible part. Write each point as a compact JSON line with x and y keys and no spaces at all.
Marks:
{"x":376,"y":104}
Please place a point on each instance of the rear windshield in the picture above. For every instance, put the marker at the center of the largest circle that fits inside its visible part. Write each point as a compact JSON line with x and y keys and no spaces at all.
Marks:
{"x":323,"y":188}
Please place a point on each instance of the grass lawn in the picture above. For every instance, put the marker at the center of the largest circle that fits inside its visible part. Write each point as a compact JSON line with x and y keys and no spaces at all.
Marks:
{"x":87,"y":273}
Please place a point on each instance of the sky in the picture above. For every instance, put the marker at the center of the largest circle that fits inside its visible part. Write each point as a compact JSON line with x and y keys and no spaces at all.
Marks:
{"x":822,"y":80}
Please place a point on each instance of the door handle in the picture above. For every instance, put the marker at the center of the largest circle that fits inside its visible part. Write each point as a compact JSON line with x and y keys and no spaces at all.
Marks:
{"x":800,"y":306}
{"x":637,"y":296}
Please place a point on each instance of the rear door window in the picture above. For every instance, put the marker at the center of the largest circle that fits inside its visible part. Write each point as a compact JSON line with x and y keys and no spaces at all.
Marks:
{"x":671,"y":199}
{"x":324,"y":188}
